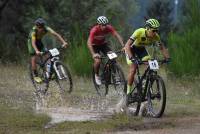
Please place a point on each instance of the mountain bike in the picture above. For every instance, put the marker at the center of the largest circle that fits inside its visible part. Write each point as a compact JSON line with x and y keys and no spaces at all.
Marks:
{"x":111,"y":74}
{"x":50,"y":68}
{"x":149,"y":87}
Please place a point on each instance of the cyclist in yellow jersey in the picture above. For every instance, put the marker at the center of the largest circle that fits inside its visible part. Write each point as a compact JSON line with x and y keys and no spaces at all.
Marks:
{"x":135,"y":46}
{"x":35,"y":45}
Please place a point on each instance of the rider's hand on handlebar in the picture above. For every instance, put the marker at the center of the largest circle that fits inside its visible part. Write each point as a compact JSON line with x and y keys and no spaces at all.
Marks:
{"x":123,"y":49}
{"x":38,"y":53}
{"x":96,"y":55}
{"x":65,"y":45}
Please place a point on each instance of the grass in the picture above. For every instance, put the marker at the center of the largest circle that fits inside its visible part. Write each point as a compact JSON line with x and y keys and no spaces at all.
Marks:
{"x":21,"y":120}
{"x":18,"y":116}
{"x":182,"y":97}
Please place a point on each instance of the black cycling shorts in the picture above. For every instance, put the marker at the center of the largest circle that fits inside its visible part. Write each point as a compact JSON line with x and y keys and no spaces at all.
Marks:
{"x":39,"y":46}
{"x":101,"y":48}
{"x":140,"y":52}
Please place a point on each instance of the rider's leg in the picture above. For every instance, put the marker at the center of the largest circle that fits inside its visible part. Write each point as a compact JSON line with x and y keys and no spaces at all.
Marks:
{"x":132,"y":71}
{"x":97,"y":63}
{"x":33,"y":65}
{"x":34,"y":69}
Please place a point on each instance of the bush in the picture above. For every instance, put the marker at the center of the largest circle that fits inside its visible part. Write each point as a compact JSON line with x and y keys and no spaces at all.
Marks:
{"x":184,"y":52}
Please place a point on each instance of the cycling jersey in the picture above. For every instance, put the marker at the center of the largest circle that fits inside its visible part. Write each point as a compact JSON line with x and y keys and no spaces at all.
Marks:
{"x":97,"y":36}
{"x":33,"y":35}
{"x":140,"y":39}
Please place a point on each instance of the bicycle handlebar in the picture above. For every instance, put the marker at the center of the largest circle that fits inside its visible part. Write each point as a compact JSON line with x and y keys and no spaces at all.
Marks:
{"x":117,"y":52}
{"x":47,"y":51}
{"x":139,"y":62}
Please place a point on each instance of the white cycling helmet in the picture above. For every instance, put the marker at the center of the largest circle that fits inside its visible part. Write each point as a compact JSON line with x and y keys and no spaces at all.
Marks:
{"x":102,"y":20}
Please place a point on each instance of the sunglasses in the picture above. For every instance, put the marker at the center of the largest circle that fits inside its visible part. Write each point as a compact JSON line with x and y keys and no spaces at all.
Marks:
{"x":40,"y":26}
{"x":155,"y":30}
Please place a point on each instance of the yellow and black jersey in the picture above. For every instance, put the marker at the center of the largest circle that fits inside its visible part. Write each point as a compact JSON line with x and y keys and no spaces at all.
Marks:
{"x":140,"y":38}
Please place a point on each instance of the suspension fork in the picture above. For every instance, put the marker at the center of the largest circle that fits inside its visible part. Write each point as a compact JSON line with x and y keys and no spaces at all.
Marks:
{"x":56,"y":69}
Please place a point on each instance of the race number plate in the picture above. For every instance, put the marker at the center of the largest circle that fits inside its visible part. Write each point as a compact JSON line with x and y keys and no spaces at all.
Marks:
{"x":112,"y":55}
{"x":153,"y":64}
{"x":54,"y":52}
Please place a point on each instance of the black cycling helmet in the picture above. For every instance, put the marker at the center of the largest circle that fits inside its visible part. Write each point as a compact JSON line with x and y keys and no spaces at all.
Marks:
{"x":40,"y":21}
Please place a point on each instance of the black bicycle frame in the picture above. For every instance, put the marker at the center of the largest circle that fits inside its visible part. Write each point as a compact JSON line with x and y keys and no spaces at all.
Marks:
{"x":107,"y":70}
{"x":147,"y":74}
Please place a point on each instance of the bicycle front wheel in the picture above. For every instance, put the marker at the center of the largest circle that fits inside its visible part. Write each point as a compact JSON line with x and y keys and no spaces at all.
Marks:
{"x":102,"y":90}
{"x":156,"y":96}
{"x":63,"y":78}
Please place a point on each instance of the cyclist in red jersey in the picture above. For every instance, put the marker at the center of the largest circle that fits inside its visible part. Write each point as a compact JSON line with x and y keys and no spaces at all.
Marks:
{"x":97,"y":42}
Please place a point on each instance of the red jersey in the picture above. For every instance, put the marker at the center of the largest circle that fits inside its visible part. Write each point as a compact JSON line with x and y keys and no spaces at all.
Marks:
{"x":97,"y":35}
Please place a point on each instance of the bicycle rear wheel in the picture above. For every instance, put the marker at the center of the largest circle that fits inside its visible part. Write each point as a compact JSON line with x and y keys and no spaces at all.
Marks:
{"x":42,"y":86}
{"x":118,"y":79}
{"x":156,"y":96}
{"x":63,"y":79}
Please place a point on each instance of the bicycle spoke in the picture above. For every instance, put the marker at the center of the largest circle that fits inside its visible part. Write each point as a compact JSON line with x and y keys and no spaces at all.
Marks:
{"x":64,"y":79}
{"x":156,"y":98}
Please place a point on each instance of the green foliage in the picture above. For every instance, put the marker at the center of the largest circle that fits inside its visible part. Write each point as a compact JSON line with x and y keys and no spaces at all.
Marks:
{"x":191,"y":14}
{"x":79,"y":57}
{"x":161,"y":10}
{"x":184,"y":46}
{"x":184,"y":52}
{"x":64,"y":17}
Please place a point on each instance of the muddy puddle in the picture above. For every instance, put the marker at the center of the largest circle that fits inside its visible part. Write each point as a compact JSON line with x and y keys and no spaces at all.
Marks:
{"x":85,"y":108}
{"x":61,"y":114}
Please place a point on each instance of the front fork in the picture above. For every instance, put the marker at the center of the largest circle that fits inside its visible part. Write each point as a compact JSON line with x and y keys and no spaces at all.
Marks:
{"x":60,"y":74}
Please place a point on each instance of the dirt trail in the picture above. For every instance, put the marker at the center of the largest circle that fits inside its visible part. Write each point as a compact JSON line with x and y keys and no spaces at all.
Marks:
{"x":185,"y":125}
{"x":83,"y":104}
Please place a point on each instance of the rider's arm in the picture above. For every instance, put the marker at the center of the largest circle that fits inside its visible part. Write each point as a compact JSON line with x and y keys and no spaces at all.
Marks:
{"x":89,"y":44}
{"x":128,"y":47}
{"x":33,"y":38}
{"x":164,"y":51}
{"x":129,"y":43}
{"x":119,"y":38}
{"x":90,"y":40}
{"x":58,"y":36}
{"x":116,"y":34}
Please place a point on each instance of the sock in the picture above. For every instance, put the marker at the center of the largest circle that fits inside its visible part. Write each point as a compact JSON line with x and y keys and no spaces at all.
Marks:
{"x":129,"y":88}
